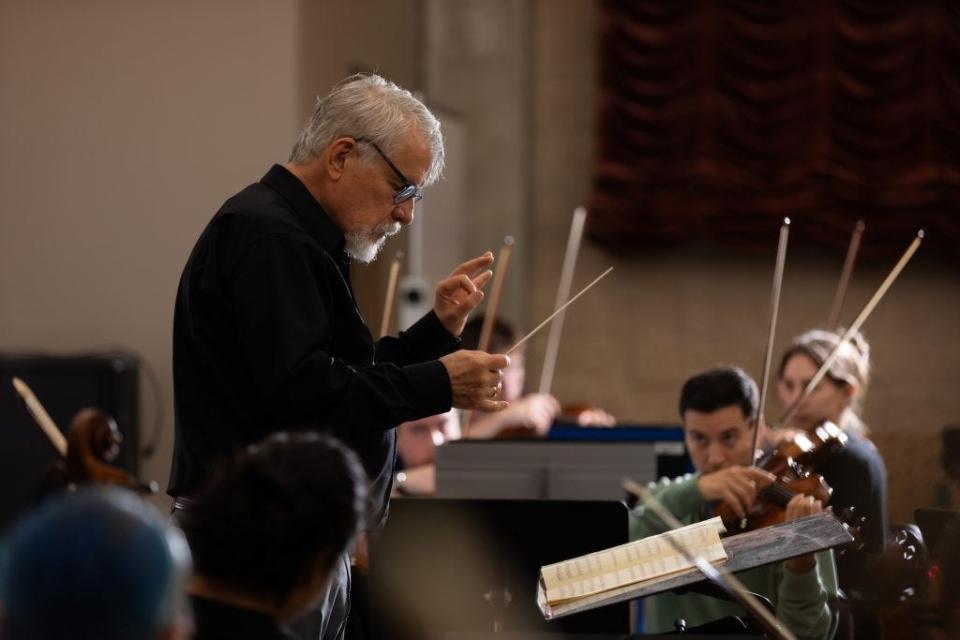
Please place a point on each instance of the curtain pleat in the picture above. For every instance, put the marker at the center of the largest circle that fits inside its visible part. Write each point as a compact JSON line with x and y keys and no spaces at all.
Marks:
{"x":717,"y":118}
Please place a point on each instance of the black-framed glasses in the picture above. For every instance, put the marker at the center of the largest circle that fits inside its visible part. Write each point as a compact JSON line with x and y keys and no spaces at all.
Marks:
{"x":408,"y":190}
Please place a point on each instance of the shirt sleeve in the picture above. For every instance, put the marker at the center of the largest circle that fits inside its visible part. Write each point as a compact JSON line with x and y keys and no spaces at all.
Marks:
{"x":803,"y":600}
{"x":680,"y":496}
{"x":426,"y":339}
{"x":282,"y":291}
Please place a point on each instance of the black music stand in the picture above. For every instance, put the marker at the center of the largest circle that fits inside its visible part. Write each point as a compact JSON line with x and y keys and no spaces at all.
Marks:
{"x":446,"y":567}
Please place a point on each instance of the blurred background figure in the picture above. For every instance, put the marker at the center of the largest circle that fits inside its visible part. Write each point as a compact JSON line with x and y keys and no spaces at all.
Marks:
{"x":97,"y":565}
{"x":417,"y":442}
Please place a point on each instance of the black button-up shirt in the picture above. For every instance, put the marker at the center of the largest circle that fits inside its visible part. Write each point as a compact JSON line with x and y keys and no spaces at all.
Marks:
{"x":267,"y":336}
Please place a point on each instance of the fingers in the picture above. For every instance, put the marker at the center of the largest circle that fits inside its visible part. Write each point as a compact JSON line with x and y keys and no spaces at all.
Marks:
{"x":451,"y":286}
{"x":489,"y":406}
{"x":476,"y":379}
{"x":800,"y":506}
{"x":475,"y":264}
{"x":495,"y":361}
{"x":739,"y":487}
{"x":741,"y":495}
{"x":555,"y":406}
{"x":460,"y":292}
{"x":482,"y":279}
{"x":734,"y":502}
{"x":760,"y":476}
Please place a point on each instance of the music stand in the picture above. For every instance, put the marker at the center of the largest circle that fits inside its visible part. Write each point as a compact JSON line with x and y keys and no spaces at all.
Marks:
{"x":447,"y":567}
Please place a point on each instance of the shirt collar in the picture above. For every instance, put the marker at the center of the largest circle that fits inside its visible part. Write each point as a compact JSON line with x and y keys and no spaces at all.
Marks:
{"x":311,"y":214}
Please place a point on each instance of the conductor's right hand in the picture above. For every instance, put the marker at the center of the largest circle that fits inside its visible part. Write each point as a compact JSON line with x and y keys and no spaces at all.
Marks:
{"x":737,"y":486}
{"x":476,"y":379}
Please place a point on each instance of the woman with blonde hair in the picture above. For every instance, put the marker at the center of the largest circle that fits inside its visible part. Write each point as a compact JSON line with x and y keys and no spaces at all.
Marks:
{"x":856,"y":472}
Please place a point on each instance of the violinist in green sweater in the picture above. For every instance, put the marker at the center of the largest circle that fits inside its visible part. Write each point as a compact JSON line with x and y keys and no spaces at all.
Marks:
{"x":718,"y":409}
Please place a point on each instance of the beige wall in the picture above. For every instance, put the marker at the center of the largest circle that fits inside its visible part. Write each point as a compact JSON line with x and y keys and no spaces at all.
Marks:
{"x":124,"y":126}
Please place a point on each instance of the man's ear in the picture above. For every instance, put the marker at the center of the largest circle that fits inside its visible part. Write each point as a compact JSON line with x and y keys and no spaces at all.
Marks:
{"x":335,"y":157}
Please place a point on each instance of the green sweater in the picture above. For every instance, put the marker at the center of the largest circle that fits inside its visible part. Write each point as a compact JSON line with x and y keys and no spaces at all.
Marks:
{"x":801,"y":601}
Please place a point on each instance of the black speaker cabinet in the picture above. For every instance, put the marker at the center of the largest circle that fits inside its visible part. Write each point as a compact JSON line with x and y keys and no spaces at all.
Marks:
{"x":64,"y":385}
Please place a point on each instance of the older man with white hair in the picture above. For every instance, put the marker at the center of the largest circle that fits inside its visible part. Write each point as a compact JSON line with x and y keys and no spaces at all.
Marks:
{"x":267,"y":333}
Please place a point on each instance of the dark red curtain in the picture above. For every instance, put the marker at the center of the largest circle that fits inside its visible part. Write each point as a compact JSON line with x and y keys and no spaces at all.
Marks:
{"x":718,"y":118}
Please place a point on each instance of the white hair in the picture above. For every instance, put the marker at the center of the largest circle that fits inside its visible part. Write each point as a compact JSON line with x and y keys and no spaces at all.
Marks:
{"x":370,"y":107}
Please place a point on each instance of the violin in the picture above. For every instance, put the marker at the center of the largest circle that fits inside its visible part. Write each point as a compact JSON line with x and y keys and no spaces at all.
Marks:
{"x":792,"y":462}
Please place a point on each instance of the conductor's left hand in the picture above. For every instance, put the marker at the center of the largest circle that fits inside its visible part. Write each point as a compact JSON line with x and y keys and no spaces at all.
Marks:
{"x":459,"y":293}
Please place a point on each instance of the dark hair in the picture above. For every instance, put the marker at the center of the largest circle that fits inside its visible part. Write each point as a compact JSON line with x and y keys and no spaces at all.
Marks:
{"x":502,"y":337}
{"x":277,"y":510}
{"x":98,"y":564}
{"x":718,"y":388}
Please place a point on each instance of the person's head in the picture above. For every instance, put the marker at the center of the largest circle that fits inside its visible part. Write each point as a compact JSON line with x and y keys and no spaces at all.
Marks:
{"x":418,"y":440}
{"x":272,"y":522}
{"x":502,"y":337}
{"x":98,"y":564}
{"x":718,"y":411}
{"x":839,"y":395}
{"x":366,"y":152}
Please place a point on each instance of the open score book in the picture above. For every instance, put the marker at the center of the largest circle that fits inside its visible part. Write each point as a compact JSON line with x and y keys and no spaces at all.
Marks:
{"x":641,"y":561}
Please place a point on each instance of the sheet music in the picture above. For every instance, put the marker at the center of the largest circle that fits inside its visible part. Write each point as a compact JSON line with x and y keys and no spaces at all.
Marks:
{"x":635,"y":562}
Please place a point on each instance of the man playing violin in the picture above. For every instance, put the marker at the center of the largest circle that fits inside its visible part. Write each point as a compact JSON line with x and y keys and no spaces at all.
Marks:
{"x":718,"y":411}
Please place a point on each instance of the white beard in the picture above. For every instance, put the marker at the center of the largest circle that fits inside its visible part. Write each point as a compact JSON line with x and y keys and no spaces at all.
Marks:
{"x":364,"y":247}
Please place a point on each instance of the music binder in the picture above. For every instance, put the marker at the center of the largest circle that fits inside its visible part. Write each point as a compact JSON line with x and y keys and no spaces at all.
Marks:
{"x":744,"y":551}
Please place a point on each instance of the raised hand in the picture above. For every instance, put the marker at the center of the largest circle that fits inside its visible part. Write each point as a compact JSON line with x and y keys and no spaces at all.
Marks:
{"x":459,"y":293}
{"x":476,"y":379}
{"x":736,"y":486}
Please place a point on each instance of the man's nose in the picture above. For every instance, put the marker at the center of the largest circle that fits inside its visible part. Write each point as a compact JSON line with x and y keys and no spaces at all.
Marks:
{"x":715,"y":457}
{"x":403,"y":212}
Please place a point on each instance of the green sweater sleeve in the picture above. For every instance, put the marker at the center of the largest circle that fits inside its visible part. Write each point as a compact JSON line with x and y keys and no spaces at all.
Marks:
{"x":679,"y":495}
{"x":802,"y":600}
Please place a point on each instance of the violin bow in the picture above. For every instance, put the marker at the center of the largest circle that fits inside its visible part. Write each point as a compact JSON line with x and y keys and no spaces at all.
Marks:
{"x":720,"y":577}
{"x":490,"y":314}
{"x":833,"y":320}
{"x":861,"y":318}
{"x":563,"y":293}
{"x":774,"y":312}
{"x":41,"y":417}
{"x":496,"y":292}
{"x":391,"y":293}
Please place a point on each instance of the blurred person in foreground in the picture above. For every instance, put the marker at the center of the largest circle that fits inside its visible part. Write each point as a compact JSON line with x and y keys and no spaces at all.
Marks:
{"x":99,"y":564}
{"x":266,"y":534}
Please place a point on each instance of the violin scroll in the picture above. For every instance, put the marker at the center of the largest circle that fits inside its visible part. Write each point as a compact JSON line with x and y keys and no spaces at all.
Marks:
{"x":93,"y":442}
